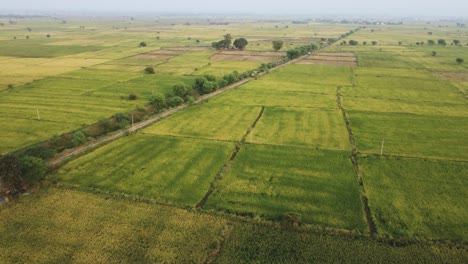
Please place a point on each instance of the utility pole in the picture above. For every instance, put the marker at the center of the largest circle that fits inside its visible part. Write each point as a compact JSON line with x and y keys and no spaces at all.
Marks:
{"x":38,"y":117}
{"x":381,"y":150}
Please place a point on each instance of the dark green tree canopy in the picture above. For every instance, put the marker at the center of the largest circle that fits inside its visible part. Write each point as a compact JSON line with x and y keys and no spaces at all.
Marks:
{"x":277,"y":44}
{"x":240,"y":43}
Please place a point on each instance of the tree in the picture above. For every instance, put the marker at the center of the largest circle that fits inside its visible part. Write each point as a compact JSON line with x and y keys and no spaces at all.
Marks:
{"x":292,"y":54}
{"x":142,"y":44}
{"x":353,"y":42}
{"x":78,"y":138}
{"x":277,"y":44}
{"x":218,"y":45}
{"x":10,"y":175}
{"x":149,"y":70}
{"x":441,"y":42}
{"x":33,"y":169}
{"x":456,"y":42}
{"x":182,"y":90}
{"x":459,"y":60}
{"x":227,"y":40}
{"x":174,"y":101}
{"x":434,"y":53}
{"x":48,"y":35}
{"x":240,"y":43}
{"x":431,"y":42}
{"x":158,"y":101}
{"x":374,"y":42}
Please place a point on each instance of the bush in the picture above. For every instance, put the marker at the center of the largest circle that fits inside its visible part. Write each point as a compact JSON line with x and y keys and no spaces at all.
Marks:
{"x":120,"y":117}
{"x":149,"y":70}
{"x":79,"y":138}
{"x":174,"y":101}
{"x":459,"y":60}
{"x":104,"y":123}
{"x":132,"y":97}
{"x":182,"y":90}
{"x":33,"y":169}
{"x":158,"y":101}
{"x":142,"y":44}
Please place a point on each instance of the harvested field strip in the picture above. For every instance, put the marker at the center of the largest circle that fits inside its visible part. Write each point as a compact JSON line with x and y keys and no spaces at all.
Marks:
{"x":229,"y":57}
{"x":326,"y":62}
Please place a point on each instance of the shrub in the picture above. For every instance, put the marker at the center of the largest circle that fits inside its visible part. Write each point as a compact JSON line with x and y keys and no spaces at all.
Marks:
{"x":149,"y":70}
{"x":142,"y":44}
{"x":174,"y":101}
{"x":132,"y":97}
{"x":33,"y":169}
{"x":158,"y":101}
{"x":78,"y":138}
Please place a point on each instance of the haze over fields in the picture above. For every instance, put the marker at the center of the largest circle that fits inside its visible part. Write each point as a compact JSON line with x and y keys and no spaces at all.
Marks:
{"x":368,"y":7}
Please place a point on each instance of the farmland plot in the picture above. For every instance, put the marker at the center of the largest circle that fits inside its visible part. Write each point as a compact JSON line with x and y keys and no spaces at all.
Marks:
{"x":44,"y":228}
{"x":272,"y":181}
{"x":207,"y":121}
{"x":416,"y":197}
{"x":322,"y":128}
{"x":411,"y":135}
{"x":168,"y":169}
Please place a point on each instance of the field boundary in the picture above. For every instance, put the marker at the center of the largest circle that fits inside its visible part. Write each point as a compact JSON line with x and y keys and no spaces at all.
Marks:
{"x":228,"y":163}
{"x":354,"y":159}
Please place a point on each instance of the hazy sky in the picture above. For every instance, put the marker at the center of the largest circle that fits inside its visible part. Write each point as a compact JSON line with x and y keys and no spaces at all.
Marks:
{"x":375,"y":7}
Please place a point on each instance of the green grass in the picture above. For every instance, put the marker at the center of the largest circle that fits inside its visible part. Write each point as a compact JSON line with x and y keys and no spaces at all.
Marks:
{"x":220,"y":68}
{"x":251,"y":243}
{"x":208,"y":121}
{"x":410,"y":135}
{"x":416,"y":197}
{"x":380,"y":59}
{"x":404,"y":106}
{"x":404,"y":88}
{"x":302,"y":127}
{"x":63,"y":226}
{"x":247,"y":95}
{"x":80,"y":97}
{"x":272,"y":181}
{"x":37,"y":48}
{"x":167,"y":169}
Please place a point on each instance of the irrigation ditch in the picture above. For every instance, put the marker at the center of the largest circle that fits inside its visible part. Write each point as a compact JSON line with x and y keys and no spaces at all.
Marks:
{"x":354,"y":159}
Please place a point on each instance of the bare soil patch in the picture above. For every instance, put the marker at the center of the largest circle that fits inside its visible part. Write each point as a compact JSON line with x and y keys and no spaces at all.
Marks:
{"x":155,"y":56}
{"x":256,"y":56}
{"x":184,"y":48}
{"x":452,"y":76}
{"x":323,"y":62}
{"x":336,"y":59}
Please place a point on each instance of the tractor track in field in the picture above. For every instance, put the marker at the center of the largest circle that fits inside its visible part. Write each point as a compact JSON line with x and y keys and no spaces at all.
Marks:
{"x":228,"y":163}
{"x":354,"y":159}
{"x":67,"y":154}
